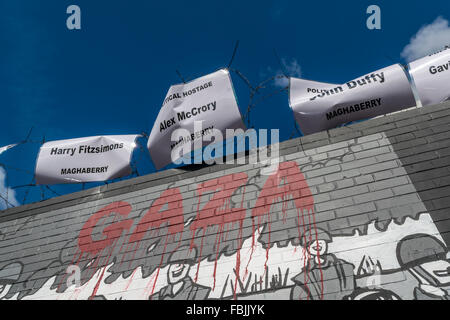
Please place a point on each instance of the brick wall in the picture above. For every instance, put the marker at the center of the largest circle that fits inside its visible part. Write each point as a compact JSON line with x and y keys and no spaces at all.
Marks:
{"x":358,"y":212}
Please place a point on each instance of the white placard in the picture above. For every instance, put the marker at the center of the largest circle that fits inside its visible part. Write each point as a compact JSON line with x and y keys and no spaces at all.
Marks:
{"x":431,"y":76}
{"x":89,"y":159}
{"x":320,"y":106}
{"x":209,"y":99}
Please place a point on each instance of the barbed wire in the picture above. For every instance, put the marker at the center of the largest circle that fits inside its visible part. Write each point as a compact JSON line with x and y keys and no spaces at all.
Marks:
{"x":27,"y":191}
{"x":296,"y":129}
{"x":50,"y":189}
{"x":256,"y":91}
{"x":42,"y":192}
{"x":8,"y":204}
{"x":256,"y":96}
{"x":282,"y":66}
{"x":180,"y":76}
{"x":234,"y":54}
{"x":7,"y":166}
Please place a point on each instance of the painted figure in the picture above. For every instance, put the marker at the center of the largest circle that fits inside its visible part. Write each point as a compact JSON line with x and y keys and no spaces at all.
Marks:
{"x":372,"y":294}
{"x":424,"y":257}
{"x":324,"y":275}
{"x":180,"y":284}
{"x":8,"y":276}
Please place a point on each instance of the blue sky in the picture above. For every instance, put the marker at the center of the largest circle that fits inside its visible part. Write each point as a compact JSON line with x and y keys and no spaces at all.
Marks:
{"x":111,"y":76}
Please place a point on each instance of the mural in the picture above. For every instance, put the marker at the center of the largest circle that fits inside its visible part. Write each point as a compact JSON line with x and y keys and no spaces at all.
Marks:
{"x":242,"y":235}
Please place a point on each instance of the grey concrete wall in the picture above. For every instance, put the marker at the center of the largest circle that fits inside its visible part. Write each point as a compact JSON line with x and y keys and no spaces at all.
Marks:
{"x":358,"y":212}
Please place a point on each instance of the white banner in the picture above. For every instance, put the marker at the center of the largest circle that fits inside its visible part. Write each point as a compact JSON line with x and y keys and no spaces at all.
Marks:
{"x":209,"y":99}
{"x":320,"y":106}
{"x":431,"y":75}
{"x":89,"y":159}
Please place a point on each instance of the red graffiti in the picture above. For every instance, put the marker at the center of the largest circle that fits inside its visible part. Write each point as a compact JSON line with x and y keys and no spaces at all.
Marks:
{"x":155,"y":218}
{"x":294,"y":185}
{"x":217,"y":211}
{"x":112,"y":232}
{"x":287,"y":184}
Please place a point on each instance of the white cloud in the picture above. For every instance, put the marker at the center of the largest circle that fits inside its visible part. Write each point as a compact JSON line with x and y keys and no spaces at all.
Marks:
{"x":428,"y":39}
{"x":292,"y":68}
{"x":6,"y":192}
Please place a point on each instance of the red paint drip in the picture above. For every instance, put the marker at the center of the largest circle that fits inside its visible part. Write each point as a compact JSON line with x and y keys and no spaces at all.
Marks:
{"x":287,"y":181}
{"x":134,"y":252}
{"x":217,"y":243}
{"x":94,"y":292}
{"x":238,"y":254}
{"x":160,"y":263}
{"x":200,"y":256}
{"x":131,"y":279}
{"x":252,"y":248}
{"x":284,"y":208}
{"x":147,"y":287}
{"x":226,"y":232}
{"x":127,"y":250}
{"x":268,"y":244}
{"x":199,"y":191}
{"x":125,"y":253}
{"x":217,"y":212}
{"x":238,"y":258}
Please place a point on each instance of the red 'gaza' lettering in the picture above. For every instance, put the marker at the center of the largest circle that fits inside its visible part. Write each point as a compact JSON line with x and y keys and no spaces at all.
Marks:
{"x":295,"y":185}
{"x":217,"y":211}
{"x":112,"y":232}
{"x":155,"y":218}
